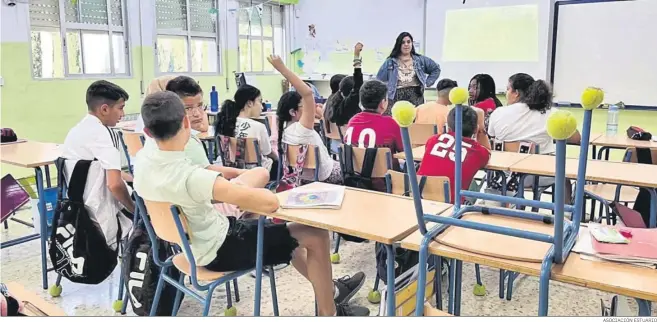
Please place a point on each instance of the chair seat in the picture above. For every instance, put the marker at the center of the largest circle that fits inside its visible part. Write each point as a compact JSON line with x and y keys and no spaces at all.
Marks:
{"x":608,"y":192}
{"x":202,"y":274}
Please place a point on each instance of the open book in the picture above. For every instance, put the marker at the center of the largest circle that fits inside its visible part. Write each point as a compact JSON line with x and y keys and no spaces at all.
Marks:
{"x":324,"y":198}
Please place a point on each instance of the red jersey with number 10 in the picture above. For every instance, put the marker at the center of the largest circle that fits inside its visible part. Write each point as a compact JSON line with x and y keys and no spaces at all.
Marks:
{"x":370,"y":130}
{"x":439,"y":159}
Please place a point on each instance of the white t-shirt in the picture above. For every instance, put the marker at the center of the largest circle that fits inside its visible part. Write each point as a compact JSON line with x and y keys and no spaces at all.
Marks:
{"x":249,"y":128}
{"x":170,"y":176}
{"x":297,"y":134}
{"x":89,"y":140}
{"x":517,"y":122}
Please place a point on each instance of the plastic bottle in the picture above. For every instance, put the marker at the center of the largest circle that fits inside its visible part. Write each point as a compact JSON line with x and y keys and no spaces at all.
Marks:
{"x":214,"y":100}
{"x":612,"y":120}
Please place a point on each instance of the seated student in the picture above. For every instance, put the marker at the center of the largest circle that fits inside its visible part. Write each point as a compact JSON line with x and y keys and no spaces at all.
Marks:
{"x":236,"y":120}
{"x":525,"y":118}
{"x":157,"y":85}
{"x":334,"y":83}
{"x":439,"y":154}
{"x":191,"y":94}
{"x":319,"y":108}
{"x":106,"y":194}
{"x":482,"y":95}
{"x":296,"y":122}
{"x":436,"y":112}
{"x":228,"y":244}
{"x":350,"y":105}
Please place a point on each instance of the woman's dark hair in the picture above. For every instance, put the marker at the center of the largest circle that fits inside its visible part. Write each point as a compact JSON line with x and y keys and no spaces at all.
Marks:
{"x":288,"y":102}
{"x":537,"y":94}
{"x":486,"y":86}
{"x":396,"y":50}
{"x":334,"y":83}
{"x":330,"y":101}
{"x":230,"y":109}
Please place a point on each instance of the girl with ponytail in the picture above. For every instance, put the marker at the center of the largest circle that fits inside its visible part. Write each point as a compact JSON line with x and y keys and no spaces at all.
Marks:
{"x":296,"y":121}
{"x":236,"y":120}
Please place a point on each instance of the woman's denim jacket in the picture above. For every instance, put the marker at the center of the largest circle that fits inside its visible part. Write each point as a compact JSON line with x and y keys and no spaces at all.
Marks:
{"x":426,"y":69}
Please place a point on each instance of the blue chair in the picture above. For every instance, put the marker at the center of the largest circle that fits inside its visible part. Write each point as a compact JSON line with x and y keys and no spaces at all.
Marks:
{"x":166,"y":222}
{"x":561,"y":242}
{"x":131,"y":143}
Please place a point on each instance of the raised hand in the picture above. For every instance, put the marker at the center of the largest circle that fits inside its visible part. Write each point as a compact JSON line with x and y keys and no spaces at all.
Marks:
{"x":358,"y":48}
{"x":276,"y":61}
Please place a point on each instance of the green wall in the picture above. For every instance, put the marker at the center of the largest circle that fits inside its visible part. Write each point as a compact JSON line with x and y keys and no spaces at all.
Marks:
{"x":45,"y":109}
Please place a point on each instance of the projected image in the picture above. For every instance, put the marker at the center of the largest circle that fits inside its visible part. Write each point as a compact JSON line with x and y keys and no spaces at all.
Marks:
{"x":496,"y":34}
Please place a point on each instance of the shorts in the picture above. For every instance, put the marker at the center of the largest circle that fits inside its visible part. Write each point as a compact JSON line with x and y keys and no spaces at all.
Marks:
{"x":238,"y":252}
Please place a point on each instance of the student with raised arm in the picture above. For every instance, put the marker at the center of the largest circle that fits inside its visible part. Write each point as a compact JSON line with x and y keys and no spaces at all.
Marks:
{"x":219,"y":243}
{"x":350,"y":105}
{"x":296,"y":121}
{"x":439,"y":152}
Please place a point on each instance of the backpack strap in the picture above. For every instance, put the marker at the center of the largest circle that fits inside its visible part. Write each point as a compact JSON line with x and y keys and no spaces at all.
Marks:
{"x":348,"y":159}
{"x":643,"y":155}
{"x":421,"y":184}
{"x":78,"y":180}
{"x":368,"y":163}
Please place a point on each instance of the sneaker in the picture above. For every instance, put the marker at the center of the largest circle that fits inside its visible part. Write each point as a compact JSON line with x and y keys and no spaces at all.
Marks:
{"x":347,"y":286}
{"x":351,"y":310}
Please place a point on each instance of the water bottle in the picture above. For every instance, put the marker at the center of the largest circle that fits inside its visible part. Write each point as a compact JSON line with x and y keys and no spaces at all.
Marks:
{"x":612,"y":120}
{"x":214,"y":100}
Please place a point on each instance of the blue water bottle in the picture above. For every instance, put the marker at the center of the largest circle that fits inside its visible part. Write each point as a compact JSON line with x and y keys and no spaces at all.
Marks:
{"x":214,"y":100}
{"x":612,"y":120}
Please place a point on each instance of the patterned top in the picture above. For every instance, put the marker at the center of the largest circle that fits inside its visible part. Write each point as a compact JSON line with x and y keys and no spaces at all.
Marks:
{"x":406,"y":76}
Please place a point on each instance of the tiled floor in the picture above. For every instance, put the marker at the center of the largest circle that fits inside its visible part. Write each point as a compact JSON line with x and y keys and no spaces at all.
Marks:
{"x":22,"y":264}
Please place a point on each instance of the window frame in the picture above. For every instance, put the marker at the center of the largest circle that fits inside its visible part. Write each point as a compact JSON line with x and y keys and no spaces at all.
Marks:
{"x":189,"y":35}
{"x":65,"y":26}
{"x":261,"y":38}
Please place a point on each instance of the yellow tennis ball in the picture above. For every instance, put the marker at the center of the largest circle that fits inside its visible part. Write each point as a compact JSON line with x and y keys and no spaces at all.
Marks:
{"x":458,"y":95}
{"x":592,"y":97}
{"x":404,"y":113}
{"x":561,"y":125}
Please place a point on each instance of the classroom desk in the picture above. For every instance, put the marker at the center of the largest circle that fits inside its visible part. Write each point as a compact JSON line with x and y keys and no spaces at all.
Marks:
{"x":375,"y":216}
{"x":499,"y":160}
{"x":618,"y":141}
{"x":34,"y":305}
{"x":31,"y":154}
{"x":623,"y":173}
{"x":623,"y":279}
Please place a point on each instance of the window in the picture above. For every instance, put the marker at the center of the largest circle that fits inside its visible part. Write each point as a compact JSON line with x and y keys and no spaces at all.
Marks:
{"x":260,"y":35}
{"x":187,"y":37}
{"x":81,"y":37}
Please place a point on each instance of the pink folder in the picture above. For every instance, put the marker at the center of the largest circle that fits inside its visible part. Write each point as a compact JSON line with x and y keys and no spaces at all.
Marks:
{"x":643,"y":243}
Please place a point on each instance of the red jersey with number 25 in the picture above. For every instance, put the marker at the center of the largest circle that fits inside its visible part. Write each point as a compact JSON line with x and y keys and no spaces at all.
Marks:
{"x":439,"y":159}
{"x":370,"y":130}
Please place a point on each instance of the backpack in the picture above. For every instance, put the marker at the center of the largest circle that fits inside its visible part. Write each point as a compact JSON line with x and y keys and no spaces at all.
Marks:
{"x":642,"y":202}
{"x":404,"y":260}
{"x":141,"y":274}
{"x":8,"y":135}
{"x":78,"y":249}
{"x":362,"y":180}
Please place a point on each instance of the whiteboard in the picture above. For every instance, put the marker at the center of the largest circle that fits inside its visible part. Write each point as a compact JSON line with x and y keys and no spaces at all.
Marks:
{"x":496,"y":37}
{"x":611,"y":45}
{"x":339,"y":24}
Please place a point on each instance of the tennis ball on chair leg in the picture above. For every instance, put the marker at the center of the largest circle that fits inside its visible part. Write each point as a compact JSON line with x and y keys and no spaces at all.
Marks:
{"x":458,"y":95}
{"x":117,"y":305}
{"x":335,"y":258}
{"x":592,"y":97}
{"x":55,"y":290}
{"x":561,"y":125}
{"x":374,"y":297}
{"x":403,"y":112}
{"x":479,"y":290}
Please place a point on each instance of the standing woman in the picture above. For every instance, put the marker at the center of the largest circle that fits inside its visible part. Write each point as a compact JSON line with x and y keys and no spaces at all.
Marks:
{"x":407,"y":73}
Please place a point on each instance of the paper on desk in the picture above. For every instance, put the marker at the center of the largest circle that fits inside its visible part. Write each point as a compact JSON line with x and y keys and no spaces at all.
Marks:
{"x":584,"y":247}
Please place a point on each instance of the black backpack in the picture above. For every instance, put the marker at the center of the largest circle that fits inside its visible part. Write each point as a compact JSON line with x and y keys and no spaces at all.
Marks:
{"x":642,"y":202}
{"x":78,"y":249}
{"x":362,"y":180}
{"x":141,"y":274}
{"x":404,"y":260}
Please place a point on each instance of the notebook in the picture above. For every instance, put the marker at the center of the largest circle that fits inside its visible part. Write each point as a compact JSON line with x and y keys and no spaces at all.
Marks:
{"x":323,"y":198}
{"x":642,"y":244}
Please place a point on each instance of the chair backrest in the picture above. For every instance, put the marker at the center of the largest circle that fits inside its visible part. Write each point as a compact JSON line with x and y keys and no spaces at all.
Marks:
{"x":333,"y":131}
{"x":431,"y":188}
{"x":133,"y":142}
{"x":514,"y":146}
{"x":251,"y":150}
{"x":311,"y":165}
{"x":634,"y":157}
{"x":382,"y":163}
{"x":163,"y":221}
{"x":420,"y":133}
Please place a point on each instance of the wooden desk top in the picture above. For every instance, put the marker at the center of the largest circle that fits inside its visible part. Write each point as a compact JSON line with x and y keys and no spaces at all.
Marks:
{"x":625,"y":173}
{"x":499,"y":160}
{"x":29,"y":154}
{"x":126,"y":126}
{"x":628,"y":280}
{"x":621,"y":141}
{"x":371,"y":215}
{"x":19,"y":292}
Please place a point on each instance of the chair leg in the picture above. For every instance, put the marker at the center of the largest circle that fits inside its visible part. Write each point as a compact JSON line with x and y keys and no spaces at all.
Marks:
{"x":177,"y":301}
{"x":208,"y":300}
{"x":509,"y":290}
{"x":237,"y":291}
{"x":272,"y":283}
{"x":158,"y":292}
{"x":592,"y":215}
{"x":126,"y":298}
{"x":438,"y":280}
{"x":229,"y":296}
{"x":502,"y":277}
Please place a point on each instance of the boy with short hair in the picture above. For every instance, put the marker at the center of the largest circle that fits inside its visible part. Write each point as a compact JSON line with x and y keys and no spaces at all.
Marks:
{"x":436,"y":112}
{"x":227,"y":244}
{"x":106,"y":194}
{"x":439,"y":152}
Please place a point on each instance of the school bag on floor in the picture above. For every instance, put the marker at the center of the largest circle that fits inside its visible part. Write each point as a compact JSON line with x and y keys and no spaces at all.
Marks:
{"x":404,"y":260}
{"x":141,"y":274}
{"x":78,"y":249}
